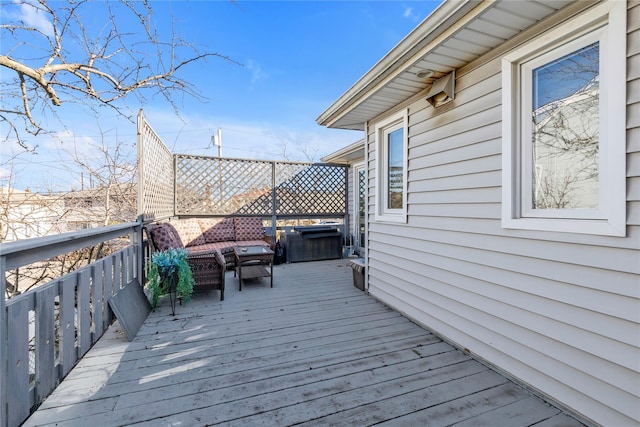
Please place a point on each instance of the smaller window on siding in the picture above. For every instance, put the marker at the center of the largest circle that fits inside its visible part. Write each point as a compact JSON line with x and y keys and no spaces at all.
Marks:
{"x":391,"y":178}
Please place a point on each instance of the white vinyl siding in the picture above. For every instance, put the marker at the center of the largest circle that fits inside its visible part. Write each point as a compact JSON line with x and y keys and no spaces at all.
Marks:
{"x":559,"y":311}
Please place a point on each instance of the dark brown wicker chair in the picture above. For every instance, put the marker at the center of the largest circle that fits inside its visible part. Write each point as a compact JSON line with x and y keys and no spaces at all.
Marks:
{"x":207,"y":265}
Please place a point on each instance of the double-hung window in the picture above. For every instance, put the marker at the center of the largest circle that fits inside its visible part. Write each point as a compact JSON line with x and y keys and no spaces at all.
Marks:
{"x":391,"y":176}
{"x":564,"y":127}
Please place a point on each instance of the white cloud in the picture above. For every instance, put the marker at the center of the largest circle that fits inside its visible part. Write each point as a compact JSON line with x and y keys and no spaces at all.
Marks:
{"x":409,"y":14}
{"x":34,"y":17}
{"x":256,"y":71}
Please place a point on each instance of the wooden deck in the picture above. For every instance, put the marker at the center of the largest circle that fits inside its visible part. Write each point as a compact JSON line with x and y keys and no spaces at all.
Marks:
{"x":313,"y":350}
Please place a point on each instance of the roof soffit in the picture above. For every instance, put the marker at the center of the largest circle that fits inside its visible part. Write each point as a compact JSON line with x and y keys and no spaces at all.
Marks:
{"x":388,"y":67}
{"x":452,"y":36}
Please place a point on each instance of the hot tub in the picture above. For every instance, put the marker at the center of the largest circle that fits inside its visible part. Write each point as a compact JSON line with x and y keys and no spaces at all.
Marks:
{"x":313,"y":243}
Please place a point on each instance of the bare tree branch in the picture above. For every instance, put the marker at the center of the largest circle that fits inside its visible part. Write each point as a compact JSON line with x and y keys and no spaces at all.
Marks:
{"x":57,"y":59}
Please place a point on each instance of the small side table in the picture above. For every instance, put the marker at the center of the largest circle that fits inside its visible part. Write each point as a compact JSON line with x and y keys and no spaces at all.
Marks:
{"x":251,"y":262}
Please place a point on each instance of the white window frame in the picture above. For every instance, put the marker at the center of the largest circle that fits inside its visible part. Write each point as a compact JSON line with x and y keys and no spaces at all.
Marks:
{"x":605,"y":23}
{"x":383,"y":212}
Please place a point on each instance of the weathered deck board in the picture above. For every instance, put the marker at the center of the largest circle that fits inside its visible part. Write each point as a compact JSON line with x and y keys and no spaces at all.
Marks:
{"x":312,"y":350}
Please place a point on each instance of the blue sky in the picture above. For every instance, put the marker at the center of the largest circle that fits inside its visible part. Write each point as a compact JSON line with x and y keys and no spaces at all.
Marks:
{"x":297,"y":58}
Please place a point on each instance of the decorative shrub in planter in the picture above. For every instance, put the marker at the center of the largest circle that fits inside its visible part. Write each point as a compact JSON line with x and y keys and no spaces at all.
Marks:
{"x":170,"y":274}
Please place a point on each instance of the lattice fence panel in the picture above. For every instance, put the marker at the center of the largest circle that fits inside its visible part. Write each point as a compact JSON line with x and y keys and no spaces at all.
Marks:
{"x":311,"y":189}
{"x":215,"y":186}
{"x":155,"y":173}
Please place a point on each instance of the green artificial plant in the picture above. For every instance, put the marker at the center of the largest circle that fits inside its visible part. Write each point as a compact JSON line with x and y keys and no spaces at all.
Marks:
{"x":169,"y":268}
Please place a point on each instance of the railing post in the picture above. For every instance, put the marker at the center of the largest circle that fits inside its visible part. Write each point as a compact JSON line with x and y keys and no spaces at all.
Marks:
{"x":4,"y":364}
{"x":175,"y":185}
{"x":137,"y":243}
{"x":141,"y":164}
{"x":274,"y":214}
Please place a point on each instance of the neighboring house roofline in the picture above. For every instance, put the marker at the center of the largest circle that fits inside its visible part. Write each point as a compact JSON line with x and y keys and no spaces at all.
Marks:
{"x":346,"y":154}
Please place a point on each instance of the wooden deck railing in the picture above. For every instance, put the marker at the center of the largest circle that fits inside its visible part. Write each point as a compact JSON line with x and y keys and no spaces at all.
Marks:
{"x":45,"y":331}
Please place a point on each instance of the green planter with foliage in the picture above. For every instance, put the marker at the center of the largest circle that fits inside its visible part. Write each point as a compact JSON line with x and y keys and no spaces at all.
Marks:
{"x":170,"y":274}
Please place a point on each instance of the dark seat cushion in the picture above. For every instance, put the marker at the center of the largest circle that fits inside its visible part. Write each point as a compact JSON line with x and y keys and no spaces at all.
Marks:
{"x":165,"y":236}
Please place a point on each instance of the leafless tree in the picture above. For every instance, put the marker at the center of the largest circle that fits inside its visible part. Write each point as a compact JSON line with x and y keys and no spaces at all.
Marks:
{"x":25,"y":214}
{"x":108,"y":192}
{"x":308,"y":154}
{"x":107,"y":195}
{"x":79,"y":52}
{"x":58,"y":58}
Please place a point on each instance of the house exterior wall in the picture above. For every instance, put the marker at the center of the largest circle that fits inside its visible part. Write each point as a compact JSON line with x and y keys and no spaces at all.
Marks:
{"x":558,"y":311}
{"x":24,"y":215}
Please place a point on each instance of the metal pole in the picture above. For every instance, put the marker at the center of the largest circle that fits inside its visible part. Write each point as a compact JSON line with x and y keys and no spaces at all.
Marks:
{"x":217,"y":141}
{"x":219,"y":144}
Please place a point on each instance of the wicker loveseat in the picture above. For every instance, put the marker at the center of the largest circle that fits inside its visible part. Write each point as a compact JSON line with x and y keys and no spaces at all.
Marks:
{"x":209,"y":243}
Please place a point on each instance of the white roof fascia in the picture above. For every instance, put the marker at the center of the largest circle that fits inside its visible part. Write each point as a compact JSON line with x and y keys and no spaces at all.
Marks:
{"x":343,"y":154}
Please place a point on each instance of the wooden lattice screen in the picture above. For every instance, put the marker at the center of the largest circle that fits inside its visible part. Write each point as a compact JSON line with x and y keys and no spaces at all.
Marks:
{"x":219,"y":186}
{"x":155,"y":173}
{"x":184,"y":185}
{"x":307,"y":189}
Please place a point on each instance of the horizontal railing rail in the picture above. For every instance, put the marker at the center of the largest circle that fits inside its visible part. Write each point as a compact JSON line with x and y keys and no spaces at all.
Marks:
{"x":44,"y":332}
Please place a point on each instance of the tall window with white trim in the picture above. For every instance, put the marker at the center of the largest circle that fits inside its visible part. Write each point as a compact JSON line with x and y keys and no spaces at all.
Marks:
{"x":561,"y":132}
{"x":564,"y":128}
